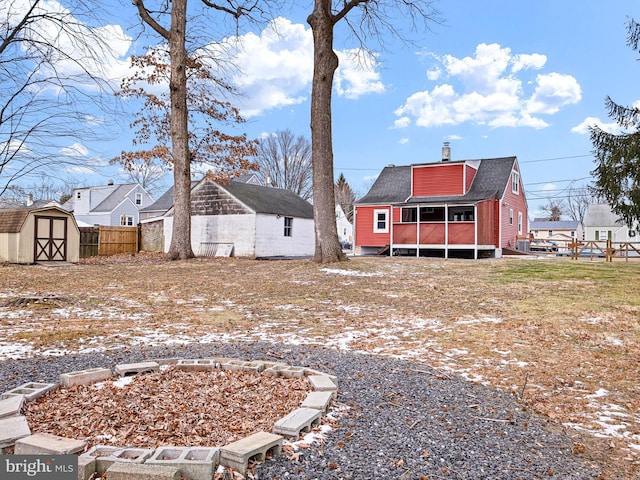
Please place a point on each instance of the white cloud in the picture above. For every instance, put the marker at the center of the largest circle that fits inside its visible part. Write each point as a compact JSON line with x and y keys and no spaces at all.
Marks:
{"x":549,"y":187}
{"x":357,"y":74}
{"x":403,"y":141}
{"x":583,"y":127}
{"x":75,"y":150}
{"x":484,"y":89}
{"x":275,"y":68}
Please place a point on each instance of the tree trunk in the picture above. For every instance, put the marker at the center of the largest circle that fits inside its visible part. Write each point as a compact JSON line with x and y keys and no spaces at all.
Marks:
{"x":325,"y":63}
{"x":181,"y":238}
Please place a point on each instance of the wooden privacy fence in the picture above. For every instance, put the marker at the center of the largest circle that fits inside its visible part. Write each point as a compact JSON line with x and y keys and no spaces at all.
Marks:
{"x":106,"y":240}
{"x":607,"y":250}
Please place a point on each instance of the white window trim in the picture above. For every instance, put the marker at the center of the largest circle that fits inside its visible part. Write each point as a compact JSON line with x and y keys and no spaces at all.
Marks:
{"x":519,"y":223}
{"x":288,"y":229}
{"x":386,"y":221}
{"x":138,"y":200}
{"x":515,"y":182}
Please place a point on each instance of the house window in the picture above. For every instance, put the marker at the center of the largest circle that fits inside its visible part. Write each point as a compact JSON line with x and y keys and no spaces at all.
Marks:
{"x":126,"y":220}
{"x":603,"y":235}
{"x":79,"y":195}
{"x":573,"y":233}
{"x":380,"y":223}
{"x":519,"y":223}
{"x":138,"y":199}
{"x":288,"y":226}
{"x":549,"y":233}
{"x":511,"y":216}
{"x":432,"y":214}
{"x":409,"y":215}
{"x":515,"y":182}
{"x":461,"y":214}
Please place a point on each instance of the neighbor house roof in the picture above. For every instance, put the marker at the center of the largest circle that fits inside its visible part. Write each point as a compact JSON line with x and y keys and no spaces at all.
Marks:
{"x":553,"y":224}
{"x":271,"y":200}
{"x":393,"y":185}
{"x":600,"y":215}
{"x":115,"y":198}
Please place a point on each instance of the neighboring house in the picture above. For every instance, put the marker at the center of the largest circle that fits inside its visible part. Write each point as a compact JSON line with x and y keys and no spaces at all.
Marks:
{"x":467,"y":209}
{"x":344,"y":227}
{"x":555,"y":230}
{"x":250,"y":220}
{"x":108,"y":204}
{"x":601,"y":224}
{"x":38,"y":234}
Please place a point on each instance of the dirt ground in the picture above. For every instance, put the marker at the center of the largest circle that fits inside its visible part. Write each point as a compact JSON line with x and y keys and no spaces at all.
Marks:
{"x":563,"y":336}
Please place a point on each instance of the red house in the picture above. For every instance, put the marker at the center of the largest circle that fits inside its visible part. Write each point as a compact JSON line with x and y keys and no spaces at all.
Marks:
{"x":449,"y":209}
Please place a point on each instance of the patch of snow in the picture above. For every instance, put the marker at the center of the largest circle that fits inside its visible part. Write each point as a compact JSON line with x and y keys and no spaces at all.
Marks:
{"x":350,"y":273}
{"x":479,"y":320}
{"x":601,"y":392}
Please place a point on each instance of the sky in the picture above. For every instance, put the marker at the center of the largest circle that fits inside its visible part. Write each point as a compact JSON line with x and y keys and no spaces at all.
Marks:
{"x":493,"y":77}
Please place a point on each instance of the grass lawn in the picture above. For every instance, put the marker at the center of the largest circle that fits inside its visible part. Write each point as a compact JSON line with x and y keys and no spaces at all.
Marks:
{"x":562,"y":335}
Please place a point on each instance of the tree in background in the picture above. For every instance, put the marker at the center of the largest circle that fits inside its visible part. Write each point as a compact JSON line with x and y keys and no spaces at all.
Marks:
{"x":344,"y":196}
{"x":285,"y":162}
{"x":51,"y":79}
{"x":553,"y":209}
{"x":375,"y":21}
{"x":578,"y":200}
{"x":174,"y":110}
{"x":618,"y":155}
{"x":148,"y":175}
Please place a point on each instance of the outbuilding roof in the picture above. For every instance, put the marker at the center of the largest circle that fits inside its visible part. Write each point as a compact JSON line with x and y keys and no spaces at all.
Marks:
{"x":11,"y":220}
{"x":393,"y":185}
{"x":277,"y":201}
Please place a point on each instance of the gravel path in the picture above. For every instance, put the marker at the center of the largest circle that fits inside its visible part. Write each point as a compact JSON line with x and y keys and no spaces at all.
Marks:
{"x":406,"y":421}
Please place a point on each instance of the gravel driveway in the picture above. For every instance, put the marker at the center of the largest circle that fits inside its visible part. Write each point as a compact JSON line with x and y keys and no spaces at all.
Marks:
{"x":404,"y":421}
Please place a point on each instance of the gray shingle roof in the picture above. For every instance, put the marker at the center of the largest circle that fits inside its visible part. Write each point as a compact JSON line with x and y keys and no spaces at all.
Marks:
{"x":115,"y":198}
{"x":393,"y":185}
{"x":270,"y":200}
{"x":553,"y":225}
{"x":600,"y":215}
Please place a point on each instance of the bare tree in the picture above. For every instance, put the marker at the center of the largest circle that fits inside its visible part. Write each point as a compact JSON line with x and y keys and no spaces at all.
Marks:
{"x":285,"y":162}
{"x":344,"y":196}
{"x":50,"y":81}
{"x":554,"y":209}
{"x":148,"y":175}
{"x":175,"y":34}
{"x":374,"y":21}
{"x":578,"y":200}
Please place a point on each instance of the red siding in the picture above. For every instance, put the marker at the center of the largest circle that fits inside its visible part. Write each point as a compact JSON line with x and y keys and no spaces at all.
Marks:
{"x":435,"y":180}
{"x":517,"y":202}
{"x":470,"y":174}
{"x":486,"y":223}
{"x":432,"y":233}
{"x":405,"y":233}
{"x":462,"y":233}
{"x":365,"y":236}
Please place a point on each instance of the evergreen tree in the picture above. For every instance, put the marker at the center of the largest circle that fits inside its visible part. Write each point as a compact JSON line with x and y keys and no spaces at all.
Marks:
{"x":344,"y":196}
{"x":618,"y":155}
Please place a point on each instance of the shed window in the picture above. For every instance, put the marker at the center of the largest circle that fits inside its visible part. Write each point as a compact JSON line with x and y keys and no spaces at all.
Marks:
{"x":409,"y":215}
{"x":288,"y":226}
{"x":380,"y":223}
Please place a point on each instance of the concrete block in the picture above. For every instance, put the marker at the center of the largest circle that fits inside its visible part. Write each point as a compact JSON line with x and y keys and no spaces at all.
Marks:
{"x":30,"y":391}
{"x":196,"y":463}
{"x":129,"y":369}
{"x":47,"y":444}
{"x":107,"y":455}
{"x":241,"y":366}
{"x":301,"y":419}
{"x":86,"y":467}
{"x":83,"y":377}
{"x":197,"y":365}
{"x":322,"y":383}
{"x":11,"y":406}
{"x":166,"y":361}
{"x":13,"y":429}
{"x":254,"y":447}
{"x":140,"y":471}
{"x":311,"y":371}
{"x":285,"y":371}
{"x":318,"y":400}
